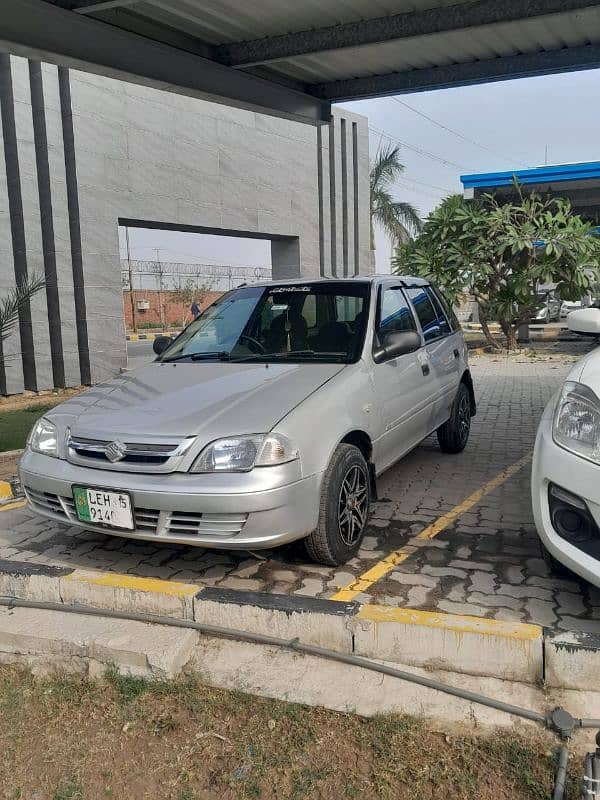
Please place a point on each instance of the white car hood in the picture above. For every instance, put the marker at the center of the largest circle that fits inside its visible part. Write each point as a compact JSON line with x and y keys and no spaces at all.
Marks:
{"x":205,"y":399}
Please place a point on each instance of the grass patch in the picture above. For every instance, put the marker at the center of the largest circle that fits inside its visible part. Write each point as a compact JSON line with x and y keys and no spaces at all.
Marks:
{"x":67,"y":738}
{"x":15,"y":426}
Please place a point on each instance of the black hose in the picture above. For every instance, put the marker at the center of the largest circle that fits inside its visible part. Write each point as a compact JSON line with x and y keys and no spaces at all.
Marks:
{"x":292,"y":644}
{"x":561,"y":774}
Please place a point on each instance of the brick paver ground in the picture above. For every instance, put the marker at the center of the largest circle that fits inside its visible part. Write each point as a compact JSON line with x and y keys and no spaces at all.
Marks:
{"x":488,"y":563}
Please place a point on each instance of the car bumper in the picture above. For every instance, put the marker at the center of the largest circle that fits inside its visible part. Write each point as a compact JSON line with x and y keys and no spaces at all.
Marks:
{"x":553,"y":464}
{"x":266,"y":507}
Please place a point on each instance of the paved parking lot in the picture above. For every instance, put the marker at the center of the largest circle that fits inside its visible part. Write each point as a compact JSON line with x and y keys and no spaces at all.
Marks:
{"x":483,"y":557}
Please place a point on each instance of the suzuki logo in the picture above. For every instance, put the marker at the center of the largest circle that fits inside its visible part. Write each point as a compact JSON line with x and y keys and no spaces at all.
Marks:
{"x":116,"y":451}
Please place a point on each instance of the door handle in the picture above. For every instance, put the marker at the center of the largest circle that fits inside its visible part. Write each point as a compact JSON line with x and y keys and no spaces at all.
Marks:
{"x":456,"y":353}
{"x":425,"y":369}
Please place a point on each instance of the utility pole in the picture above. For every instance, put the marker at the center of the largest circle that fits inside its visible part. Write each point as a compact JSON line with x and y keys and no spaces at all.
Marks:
{"x":159,"y":271}
{"x":133,"y":319}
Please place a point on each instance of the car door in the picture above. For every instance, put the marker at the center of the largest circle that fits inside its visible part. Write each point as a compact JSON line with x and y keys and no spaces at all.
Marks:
{"x":443,"y":351}
{"x":403,"y":385}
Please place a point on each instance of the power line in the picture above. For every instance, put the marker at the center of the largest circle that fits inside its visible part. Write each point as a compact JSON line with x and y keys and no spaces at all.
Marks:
{"x":418,"y":150}
{"x":456,"y":133}
{"x":428,"y":185}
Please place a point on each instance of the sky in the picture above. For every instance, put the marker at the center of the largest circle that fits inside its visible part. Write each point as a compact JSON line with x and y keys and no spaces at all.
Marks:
{"x":443,"y":134}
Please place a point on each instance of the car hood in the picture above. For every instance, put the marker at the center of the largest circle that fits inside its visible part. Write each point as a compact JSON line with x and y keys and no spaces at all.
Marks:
{"x":215,"y":399}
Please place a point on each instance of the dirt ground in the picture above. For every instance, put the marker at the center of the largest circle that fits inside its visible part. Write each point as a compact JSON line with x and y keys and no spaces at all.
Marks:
{"x":68,"y":738}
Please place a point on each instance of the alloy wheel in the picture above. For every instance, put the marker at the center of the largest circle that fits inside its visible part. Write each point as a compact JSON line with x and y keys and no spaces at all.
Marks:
{"x":464,"y":417}
{"x":353,"y":505}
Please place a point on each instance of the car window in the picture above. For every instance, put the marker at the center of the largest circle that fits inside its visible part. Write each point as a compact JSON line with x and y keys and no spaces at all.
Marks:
{"x":347,"y":308}
{"x":320,"y":322}
{"x":441,"y":314}
{"x":394,"y":312}
{"x":448,"y":310}
{"x":428,"y":316}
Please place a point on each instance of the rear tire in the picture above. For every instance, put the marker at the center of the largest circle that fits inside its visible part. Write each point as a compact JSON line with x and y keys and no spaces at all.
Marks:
{"x":453,"y":435}
{"x":343,"y":510}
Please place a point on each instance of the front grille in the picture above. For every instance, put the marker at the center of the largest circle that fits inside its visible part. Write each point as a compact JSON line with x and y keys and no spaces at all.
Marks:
{"x":46,"y":501}
{"x":140,"y":453}
{"x":190,"y":523}
{"x":146,"y":519}
{"x":183,"y":524}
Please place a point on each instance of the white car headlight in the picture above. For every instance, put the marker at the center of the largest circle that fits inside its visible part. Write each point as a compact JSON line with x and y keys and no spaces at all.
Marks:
{"x":44,"y":438}
{"x":576,"y":425}
{"x":243,"y":453}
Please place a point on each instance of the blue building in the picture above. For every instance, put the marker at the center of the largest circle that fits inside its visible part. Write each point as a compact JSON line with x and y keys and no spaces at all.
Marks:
{"x":580,"y":183}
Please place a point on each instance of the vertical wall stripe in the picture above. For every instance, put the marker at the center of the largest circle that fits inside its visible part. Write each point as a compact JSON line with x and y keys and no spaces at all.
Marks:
{"x":17,"y":223}
{"x":74,"y":224}
{"x":344,"y":147}
{"x":320,"y":197}
{"x":355,"y":198}
{"x":332,"y":197}
{"x":47,"y":222}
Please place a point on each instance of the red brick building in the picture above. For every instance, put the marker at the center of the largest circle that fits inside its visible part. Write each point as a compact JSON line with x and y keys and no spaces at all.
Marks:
{"x":154,"y":308}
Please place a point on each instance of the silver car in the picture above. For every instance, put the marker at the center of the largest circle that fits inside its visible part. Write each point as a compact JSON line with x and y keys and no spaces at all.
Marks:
{"x":267,"y":420}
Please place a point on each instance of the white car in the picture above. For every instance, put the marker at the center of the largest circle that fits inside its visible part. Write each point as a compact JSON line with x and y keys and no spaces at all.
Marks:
{"x":568,"y":306}
{"x":565,"y":482}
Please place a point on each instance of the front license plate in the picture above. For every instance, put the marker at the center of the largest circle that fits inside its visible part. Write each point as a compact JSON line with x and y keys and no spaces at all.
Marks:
{"x":102,"y":507}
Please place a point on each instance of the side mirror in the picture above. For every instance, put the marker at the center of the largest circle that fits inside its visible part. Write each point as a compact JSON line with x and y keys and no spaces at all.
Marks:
{"x":160,"y":344}
{"x":397,"y":344}
{"x":586,"y":321}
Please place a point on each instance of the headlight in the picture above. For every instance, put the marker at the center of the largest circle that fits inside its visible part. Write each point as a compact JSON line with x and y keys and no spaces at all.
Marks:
{"x":576,"y":425}
{"x":44,"y":438}
{"x":243,"y":453}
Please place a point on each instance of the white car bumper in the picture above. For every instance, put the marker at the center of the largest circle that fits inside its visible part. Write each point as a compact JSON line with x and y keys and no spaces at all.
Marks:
{"x":552,"y":465}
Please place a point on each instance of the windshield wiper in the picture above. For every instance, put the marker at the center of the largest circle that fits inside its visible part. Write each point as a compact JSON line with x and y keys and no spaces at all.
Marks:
{"x":219,"y":355}
{"x":300,"y":353}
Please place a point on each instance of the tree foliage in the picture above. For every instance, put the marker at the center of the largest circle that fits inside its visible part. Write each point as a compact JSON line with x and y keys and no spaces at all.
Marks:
{"x":399,"y":220}
{"x":14,"y":300}
{"x":502,"y":252}
{"x":185,"y":294}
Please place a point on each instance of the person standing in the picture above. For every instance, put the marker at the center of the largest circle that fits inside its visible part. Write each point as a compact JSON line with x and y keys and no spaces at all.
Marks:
{"x":195,"y":309}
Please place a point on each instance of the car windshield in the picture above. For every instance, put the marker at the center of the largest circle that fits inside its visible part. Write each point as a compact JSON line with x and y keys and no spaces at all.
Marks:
{"x":319,"y":322}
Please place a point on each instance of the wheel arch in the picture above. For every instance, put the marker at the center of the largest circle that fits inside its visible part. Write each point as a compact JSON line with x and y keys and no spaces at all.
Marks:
{"x":468,"y":381}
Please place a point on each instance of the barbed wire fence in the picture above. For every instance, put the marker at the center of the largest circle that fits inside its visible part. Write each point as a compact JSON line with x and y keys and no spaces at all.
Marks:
{"x":164,"y":276}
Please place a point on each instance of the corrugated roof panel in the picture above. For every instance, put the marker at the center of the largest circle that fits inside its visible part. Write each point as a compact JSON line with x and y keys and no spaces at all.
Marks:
{"x":486,"y":42}
{"x":223,"y":21}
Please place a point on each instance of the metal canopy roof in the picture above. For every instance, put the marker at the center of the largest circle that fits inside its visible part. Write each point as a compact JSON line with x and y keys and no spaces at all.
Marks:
{"x":579,"y":183}
{"x":294,"y":57}
{"x":548,"y":174}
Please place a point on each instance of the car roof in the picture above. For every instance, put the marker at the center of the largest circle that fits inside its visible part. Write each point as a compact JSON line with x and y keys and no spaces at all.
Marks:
{"x":404,"y":280}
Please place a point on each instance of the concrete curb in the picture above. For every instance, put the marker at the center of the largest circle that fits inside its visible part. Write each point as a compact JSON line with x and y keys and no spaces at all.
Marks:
{"x":8,"y":498}
{"x":461,"y":644}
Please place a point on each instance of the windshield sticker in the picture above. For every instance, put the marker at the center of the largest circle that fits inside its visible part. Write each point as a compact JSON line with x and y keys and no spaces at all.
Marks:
{"x":279,"y":289}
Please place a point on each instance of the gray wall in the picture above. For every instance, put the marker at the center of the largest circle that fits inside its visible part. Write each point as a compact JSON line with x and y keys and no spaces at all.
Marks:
{"x":103,"y":150}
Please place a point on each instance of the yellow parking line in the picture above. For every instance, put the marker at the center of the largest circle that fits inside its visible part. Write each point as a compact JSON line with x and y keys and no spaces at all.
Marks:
{"x":12,"y":506}
{"x":460,"y":623}
{"x":133,"y":582}
{"x":382,"y":568}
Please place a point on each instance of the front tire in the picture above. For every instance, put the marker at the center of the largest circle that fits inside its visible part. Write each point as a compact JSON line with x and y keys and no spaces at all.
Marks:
{"x":344,"y":508}
{"x":453,"y":435}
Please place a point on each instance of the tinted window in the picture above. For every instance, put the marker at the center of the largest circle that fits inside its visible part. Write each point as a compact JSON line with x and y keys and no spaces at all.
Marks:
{"x":305,"y":322}
{"x":441,"y":314}
{"x":394,"y":313}
{"x":450,"y":315}
{"x":426,"y":313}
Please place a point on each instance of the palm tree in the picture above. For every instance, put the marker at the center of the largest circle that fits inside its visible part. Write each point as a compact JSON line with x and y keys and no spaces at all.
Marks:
{"x":400,"y":221}
{"x":10,"y":305}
